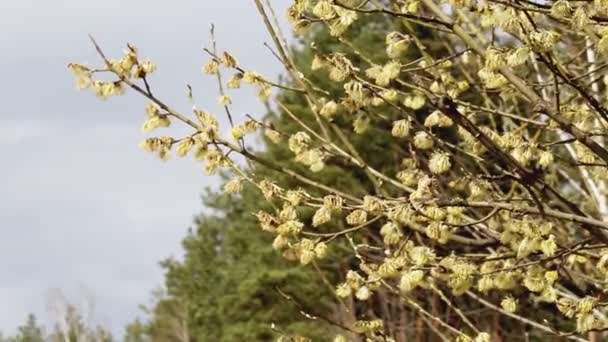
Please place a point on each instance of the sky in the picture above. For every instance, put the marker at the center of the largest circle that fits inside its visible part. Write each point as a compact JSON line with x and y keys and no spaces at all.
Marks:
{"x":86,"y":214}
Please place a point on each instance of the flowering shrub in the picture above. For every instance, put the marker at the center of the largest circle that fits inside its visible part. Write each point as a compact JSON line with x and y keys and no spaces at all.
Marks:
{"x":499,"y":196}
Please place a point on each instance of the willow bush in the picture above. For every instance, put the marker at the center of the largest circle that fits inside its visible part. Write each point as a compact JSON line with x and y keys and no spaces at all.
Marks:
{"x":497,"y":197}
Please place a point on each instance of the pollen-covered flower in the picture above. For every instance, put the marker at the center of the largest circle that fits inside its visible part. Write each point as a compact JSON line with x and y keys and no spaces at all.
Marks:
{"x":495,"y":59}
{"x":228,"y":60}
{"x":356,"y":217}
{"x":306,"y":256}
{"x":156,"y":122}
{"x":280,"y":242}
{"x":314,"y":158}
{"x":356,"y":91}
{"x":361,"y":124}
{"x":290,"y":227}
{"x":543,"y":41}
{"x":423,"y":141}
{"x":268,"y":188}
{"x":371,"y":203}
{"x":343,"y":290}
{"x":105,"y":90}
{"x":438,"y":119}
{"x":363,"y":293}
{"x":288,"y":213}
{"x":337,"y":74}
{"x":389,"y":95}
{"x":329,"y":109}
{"x":345,"y":18}
{"x":243,"y":129}
{"x":233,"y":186}
{"x":421,"y":255}
{"x":272,"y":135}
{"x":523,"y":153}
{"x":251,"y":77}
{"x":224,"y":100}
{"x":264,"y":92}
{"x":389,"y":72}
{"x":317,"y":63}
{"x":548,"y":246}
{"x":299,"y":142}
{"x":401,"y":128}
{"x":333,"y":202}
{"x":235,"y":81}
{"x":396,"y":44}
{"x":295,"y":197}
{"x":185,"y":146}
{"x":147,"y":68}
{"x":391,"y":233}
{"x":440,"y":163}
{"x":211,"y":68}
{"x":491,"y":79}
{"x":267,"y":221}
{"x":414,"y":101}
{"x":509,"y":304}
{"x":586,"y":305}
{"x":411,"y":280}
{"x":82,"y":74}
{"x":320,"y":250}
{"x":482,"y":337}
{"x":321,"y":216}
{"x":214,"y":160}
{"x":324,"y":10}
{"x":580,"y":18}
{"x":585,"y":322}
{"x":518,"y":56}
{"x":561,"y":9}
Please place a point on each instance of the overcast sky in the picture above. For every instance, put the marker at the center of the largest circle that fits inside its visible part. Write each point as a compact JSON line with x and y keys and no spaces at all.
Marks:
{"x":82,"y":208}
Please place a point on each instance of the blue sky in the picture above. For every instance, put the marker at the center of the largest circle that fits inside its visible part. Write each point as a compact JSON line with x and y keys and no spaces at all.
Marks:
{"x":82,"y":208}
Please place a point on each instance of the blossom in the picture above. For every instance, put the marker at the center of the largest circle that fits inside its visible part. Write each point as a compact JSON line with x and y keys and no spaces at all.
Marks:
{"x":211,"y":67}
{"x":401,"y":128}
{"x":509,"y":304}
{"x":440,"y":162}
{"x":423,"y":141}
